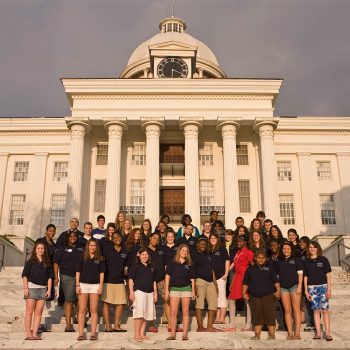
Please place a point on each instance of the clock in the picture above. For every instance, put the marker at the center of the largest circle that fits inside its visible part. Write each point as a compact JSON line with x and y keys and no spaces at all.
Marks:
{"x":172,"y":67}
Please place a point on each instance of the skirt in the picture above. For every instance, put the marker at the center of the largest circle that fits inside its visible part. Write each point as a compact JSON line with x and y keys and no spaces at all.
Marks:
{"x":236,"y":286}
{"x":114,"y":294}
{"x":143,"y":306}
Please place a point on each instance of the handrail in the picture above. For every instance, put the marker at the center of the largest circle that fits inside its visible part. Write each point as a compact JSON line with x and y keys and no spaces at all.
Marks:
{"x":338,"y":250}
{"x":2,"y":260}
{"x":26,"y":254}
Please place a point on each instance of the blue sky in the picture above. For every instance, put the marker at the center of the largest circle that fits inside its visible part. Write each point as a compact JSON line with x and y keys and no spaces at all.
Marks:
{"x":305,"y":42}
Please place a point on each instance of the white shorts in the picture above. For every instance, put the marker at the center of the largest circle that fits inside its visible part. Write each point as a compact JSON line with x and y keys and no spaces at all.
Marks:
{"x":87,"y":288}
{"x":222,"y":300}
{"x":143,"y":306}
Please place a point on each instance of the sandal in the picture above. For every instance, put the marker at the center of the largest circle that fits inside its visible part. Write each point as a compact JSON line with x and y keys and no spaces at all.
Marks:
{"x":232,"y":329}
{"x":29,"y":338}
{"x":93,"y":337}
{"x":254,"y":338}
{"x":185,"y":337}
{"x":69,"y":330}
{"x":296,"y":337}
{"x":289,"y":337}
{"x":81,"y":337}
{"x":171,"y":338}
{"x":329,"y":338}
{"x":271,"y":337}
{"x":36,"y":338}
{"x":317,"y":337}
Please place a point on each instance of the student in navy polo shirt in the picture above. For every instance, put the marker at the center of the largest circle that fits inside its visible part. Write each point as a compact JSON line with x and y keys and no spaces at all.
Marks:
{"x":206,"y":230}
{"x":146,"y":228}
{"x":74,"y":224}
{"x":37,"y":280}
{"x":293,"y":237}
{"x":256,"y":241}
{"x":206,"y":286}
{"x":114,"y":291}
{"x":180,"y":285}
{"x":161,"y":229}
{"x":261,"y":288}
{"x":290,"y":273}
{"x":169,"y":248}
{"x":82,"y":240}
{"x":143,"y":293}
{"x":188,"y":239}
{"x":317,"y":283}
{"x":306,"y":305}
{"x":106,"y":241}
{"x":132,"y":245}
{"x":119,"y":221}
{"x":65,"y":261}
{"x":221,"y":263}
{"x":100,"y":230}
{"x":89,"y":284}
{"x":158,"y":262}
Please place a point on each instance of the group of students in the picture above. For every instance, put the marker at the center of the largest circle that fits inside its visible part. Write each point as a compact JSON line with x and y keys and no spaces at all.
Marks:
{"x":215,"y":269}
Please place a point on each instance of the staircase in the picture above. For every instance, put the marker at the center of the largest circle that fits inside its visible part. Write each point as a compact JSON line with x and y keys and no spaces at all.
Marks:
{"x":12,"y":330}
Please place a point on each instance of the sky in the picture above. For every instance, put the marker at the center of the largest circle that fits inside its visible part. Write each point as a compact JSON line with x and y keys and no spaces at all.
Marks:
{"x":304,"y":42}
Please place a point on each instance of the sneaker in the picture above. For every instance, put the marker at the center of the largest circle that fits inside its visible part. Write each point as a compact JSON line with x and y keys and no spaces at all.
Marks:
{"x":153,"y":329}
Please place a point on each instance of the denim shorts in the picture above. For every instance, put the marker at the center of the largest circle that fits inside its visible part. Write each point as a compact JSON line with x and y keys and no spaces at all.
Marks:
{"x":68,"y":286}
{"x":290,"y":290}
{"x":319,"y":300}
{"x":37,"y":293}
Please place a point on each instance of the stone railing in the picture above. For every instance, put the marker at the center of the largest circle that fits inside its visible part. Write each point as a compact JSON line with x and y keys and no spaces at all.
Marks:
{"x":205,"y":210}
{"x":133,"y":209}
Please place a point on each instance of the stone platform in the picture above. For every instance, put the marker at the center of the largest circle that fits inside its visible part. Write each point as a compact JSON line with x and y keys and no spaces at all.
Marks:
{"x":12,"y":330}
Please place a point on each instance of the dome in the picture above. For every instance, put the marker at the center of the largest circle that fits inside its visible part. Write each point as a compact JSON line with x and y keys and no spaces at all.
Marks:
{"x":172,"y":32}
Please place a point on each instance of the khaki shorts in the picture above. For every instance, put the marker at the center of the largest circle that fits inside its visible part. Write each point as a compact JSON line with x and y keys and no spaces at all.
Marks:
{"x":114,"y":294}
{"x":206,"y":291}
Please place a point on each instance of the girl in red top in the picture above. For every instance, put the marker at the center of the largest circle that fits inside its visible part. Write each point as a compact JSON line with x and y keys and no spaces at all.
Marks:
{"x":243,"y":258}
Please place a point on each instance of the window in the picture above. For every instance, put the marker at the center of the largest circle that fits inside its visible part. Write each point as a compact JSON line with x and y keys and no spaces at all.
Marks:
{"x":17,"y":209}
{"x":287,"y":209}
{"x":206,"y":155}
{"x":327,"y":209}
{"x":284,"y":171}
{"x":100,"y":196}
{"x":242,"y":154}
{"x":324,"y":171}
{"x":58,"y":209}
{"x":137,"y":196}
{"x":21,"y":171}
{"x":139,"y":154}
{"x":176,"y":26}
{"x":102,"y":154}
{"x":169,"y":27}
{"x":206,"y":192}
{"x":60,"y":171}
{"x":244,"y":196}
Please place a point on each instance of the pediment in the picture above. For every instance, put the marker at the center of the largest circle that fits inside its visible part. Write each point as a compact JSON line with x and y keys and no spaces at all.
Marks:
{"x":173,"y":46}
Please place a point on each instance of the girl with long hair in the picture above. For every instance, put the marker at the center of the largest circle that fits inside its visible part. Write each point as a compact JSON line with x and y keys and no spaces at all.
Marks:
{"x":119,"y":221}
{"x":132,"y":245}
{"x":317,"y":283}
{"x":276,"y":233}
{"x":290,"y":272}
{"x":256,"y":241}
{"x":221,"y":264}
{"x":255,"y":225}
{"x":106,"y":241}
{"x":293,"y":237}
{"x":180,"y":286}
{"x":169,"y":248}
{"x":126,"y":228}
{"x":89,"y":284}
{"x":143,"y":293}
{"x":146,"y":228}
{"x":37,"y":281}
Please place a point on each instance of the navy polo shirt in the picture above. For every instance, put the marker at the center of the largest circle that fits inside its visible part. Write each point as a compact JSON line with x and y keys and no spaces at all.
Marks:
{"x":105,"y":245}
{"x":273,"y":261}
{"x":90,"y":270}
{"x":67,"y":259}
{"x":287,"y":271}
{"x":61,"y":240}
{"x":169,"y":253}
{"x":131,"y":260}
{"x":180,"y":274}
{"x":260,"y":280}
{"x":37,"y":272}
{"x":143,"y":277}
{"x":98,"y":233}
{"x":218,"y":260}
{"x":158,"y":262}
{"x":203,"y":266}
{"x":115,"y":263}
{"x":190,"y":242}
{"x":316,"y":270}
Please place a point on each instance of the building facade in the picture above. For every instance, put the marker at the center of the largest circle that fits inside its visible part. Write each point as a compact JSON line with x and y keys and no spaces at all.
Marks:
{"x":174,"y":135}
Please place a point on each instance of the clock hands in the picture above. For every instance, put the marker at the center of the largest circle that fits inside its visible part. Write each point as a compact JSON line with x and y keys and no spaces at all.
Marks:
{"x":176,"y":71}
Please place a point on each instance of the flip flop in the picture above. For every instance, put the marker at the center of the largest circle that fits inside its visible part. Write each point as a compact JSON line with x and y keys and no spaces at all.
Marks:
{"x":171,"y":338}
{"x":93,"y":337}
{"x":29,"y":338}
{"x":118,"y":330}
{"x":80,"y":338}
{"x":329,"y":338}
{"x":185,"y":337}
{"x":317,"y":337}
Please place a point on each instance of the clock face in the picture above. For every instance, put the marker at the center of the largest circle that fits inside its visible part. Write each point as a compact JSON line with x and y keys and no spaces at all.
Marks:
{"x":172,"y":67}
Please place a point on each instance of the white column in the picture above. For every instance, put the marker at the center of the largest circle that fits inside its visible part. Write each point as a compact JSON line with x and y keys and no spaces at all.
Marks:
{"x":268,"y":166}
{"x":192,"y":203}
{"x":3,"y":172}
{"x":228,"y":131}
{"x":152,"y":130}
{"x":344,"y":179}
{"x":34,"y":207}
{"x":75,"y":169}
{"x":309,"y":198}
{"x":115,"y":133}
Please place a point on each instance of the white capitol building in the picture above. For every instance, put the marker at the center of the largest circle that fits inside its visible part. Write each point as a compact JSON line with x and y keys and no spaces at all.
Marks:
{"x":173,"y":134}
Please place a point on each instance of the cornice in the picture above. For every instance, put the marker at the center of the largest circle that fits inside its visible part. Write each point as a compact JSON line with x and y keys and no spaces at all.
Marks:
{"x":312,"y":132}
{"x":35,"y":133}
{"x":172,"y":109}
{"x":28,"y":144}
{"x":174,"y":97}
